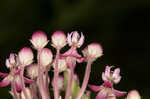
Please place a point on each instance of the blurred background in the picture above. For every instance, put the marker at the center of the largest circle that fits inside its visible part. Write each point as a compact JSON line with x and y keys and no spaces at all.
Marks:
{"x":121,"y":26}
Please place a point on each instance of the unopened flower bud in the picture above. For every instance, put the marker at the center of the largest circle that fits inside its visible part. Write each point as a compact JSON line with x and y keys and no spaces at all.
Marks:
{"x":133,"y":94}
{"x":74,"y":39}
{"x":62,"y":66}
{"x":25,"y":56}
{"x":93,"y":50}
{"x":39,"y":40}
{"x":45,"y":57}
{"x":32,"y":71}
{"x":58,"y":39}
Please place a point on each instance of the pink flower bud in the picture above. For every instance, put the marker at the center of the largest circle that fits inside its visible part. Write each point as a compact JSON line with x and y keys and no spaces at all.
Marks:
{"x":62,"y":66}
{"x":32,"y":71}
{"x":39,"y":40}
{"x":74,"y":39}
{"x":133,"y":94}
{"x":93,"y":50}
{"x":45,"y":57}
{"x":25,"y":56}
{"x":58,"y":39}
{"x":11,"y":62}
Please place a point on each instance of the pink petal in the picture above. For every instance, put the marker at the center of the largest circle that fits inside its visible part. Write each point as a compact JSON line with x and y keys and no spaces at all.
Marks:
{"x":3,"y":75}
{"x":104,"y":77}
{"x":101,"y":95}
{"x":119,"y":93}
{"x":69,"y":39}
{"x":116,"y":73}
{"x":7,"y":63}
{"x":28,"y":81}
{"x":107,"y":71}
{"x":81,"y":41}
{"x":5,"y":82}
{"x":94,"y":88}
{"x":117,"y":80}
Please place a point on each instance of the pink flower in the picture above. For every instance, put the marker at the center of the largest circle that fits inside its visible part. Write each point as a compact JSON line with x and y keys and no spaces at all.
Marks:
{"x":39,"y":40}
{"x":58,"y":39}
{"x":45,"y":57}
{"x":25,"y":56}
{"x":62,"y":66}
{"x":13,"y":75}
{"x":93,"y":50}
{"x":12,"y":61}
{"x":75,"y":40}
{"x":106,"y":91}
{"x":133,"y":94}
{"x":113,"y":76}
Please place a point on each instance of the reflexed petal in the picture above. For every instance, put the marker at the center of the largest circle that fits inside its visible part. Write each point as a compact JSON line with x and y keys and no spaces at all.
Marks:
{"x":119,"y":93}
{"x":94,"y":88}
{"x":101,"y":95}
{"x":5,"y":82}
{"x":69,"y":39}
{"x":3,"y":75}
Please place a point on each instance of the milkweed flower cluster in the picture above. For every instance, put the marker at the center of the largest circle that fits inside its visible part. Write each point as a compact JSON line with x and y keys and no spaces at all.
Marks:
{"x":29,"y":73}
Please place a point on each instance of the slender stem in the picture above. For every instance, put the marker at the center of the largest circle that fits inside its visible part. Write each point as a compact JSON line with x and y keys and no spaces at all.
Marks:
{"x":69,"y":83}
{"x":14,"y":90}
{"x":56,"y":73}
{"x":47,"y":78}
{"x":23,"y":84}
{"x":33,"y":91}
{"x":44,"y":93}
{"x":85,"y":80}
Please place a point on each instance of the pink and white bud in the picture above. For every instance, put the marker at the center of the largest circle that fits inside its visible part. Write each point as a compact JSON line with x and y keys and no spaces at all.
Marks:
{"x":25,"y":56}
{"x":133,"y":94}
{"x":93,"y":50}
{"x":74,"y":39}
{"x":46,"y":57}
{"x":32,"y":71}
{"x":39,"y":40}
{"x":58,"y":39}
{"x":28,"y":93}
{"x":62,"y":65}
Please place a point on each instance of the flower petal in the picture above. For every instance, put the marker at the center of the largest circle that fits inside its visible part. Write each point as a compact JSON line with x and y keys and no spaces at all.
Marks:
{"x":5,"y":82}
{"x":104,"y":77}
{"x":119,"y":93}
{"x":101,"y":95}
{"x":94,"y":88}
{"x":3,"y":75}
{"x":116,"y":73}
{"x":107,"y":71}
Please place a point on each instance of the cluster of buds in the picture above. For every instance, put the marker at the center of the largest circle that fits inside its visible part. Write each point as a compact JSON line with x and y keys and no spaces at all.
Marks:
{"x":29,"y":75}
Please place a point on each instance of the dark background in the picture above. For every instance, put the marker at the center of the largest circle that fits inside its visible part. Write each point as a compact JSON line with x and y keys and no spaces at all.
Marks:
{"x":121,"y":26}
